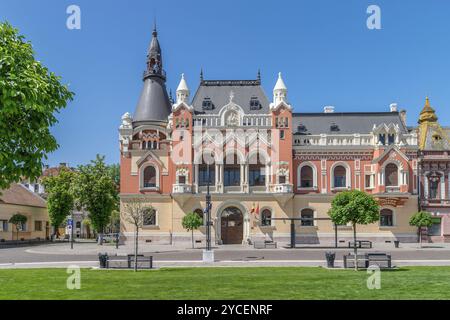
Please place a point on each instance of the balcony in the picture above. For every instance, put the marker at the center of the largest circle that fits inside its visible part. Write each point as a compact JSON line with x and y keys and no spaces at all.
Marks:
{"x":432,"y":202}
{"x":281,"y":188}
{"x":393,"y":189}
{"x":181,"y":188}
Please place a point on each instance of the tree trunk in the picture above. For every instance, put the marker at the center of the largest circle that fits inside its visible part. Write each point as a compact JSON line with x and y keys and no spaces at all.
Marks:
{"x":355,"y":248}
{"x":136,"y":248}
{"x":192,"y":238}
{"x":420,"y":237}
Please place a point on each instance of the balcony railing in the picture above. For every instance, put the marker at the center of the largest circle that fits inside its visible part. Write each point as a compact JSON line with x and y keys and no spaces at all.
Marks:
{"x":281,"y":188}
{"x":393,"y":189}
{"x":182,"y":188}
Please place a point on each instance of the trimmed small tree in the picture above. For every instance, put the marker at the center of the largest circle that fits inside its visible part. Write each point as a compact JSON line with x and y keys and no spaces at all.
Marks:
{"x":355,"y":207}
{"x":18,"y":220}
{"x":421,"y":219}
{"x":134,"y":214}
{"x":191,"y":222}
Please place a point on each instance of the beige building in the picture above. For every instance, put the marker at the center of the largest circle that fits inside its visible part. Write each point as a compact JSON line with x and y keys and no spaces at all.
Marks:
{"x":18,"y":199}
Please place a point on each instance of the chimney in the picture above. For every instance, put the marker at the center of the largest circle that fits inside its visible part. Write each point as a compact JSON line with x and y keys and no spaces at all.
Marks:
{"x":328,"y":109}
{"x":403,"y":116}
{"x":394,"y":107}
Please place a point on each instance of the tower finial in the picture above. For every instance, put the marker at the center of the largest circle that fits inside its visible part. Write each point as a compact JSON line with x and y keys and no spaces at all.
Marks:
{"x":155,"y":32}
{"x":201,"y":74}
{"x":427,"y":114}
{"x":259,"y":75}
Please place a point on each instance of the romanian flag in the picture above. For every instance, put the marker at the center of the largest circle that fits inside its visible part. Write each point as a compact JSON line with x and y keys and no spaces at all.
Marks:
{"x":255,"y":209}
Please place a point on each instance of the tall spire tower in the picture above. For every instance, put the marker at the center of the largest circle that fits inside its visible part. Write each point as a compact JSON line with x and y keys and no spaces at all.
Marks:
{"x":154,"y":103}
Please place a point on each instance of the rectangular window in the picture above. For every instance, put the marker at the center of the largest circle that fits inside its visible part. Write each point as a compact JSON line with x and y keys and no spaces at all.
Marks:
{"x":386,"y":220}
{"x":369,"y":178}
{"x":38,"y":226}
{"x":282,"y":134}
{"x":257,"y":177}
{"x":182,"y":179}
{"x":203,"y":176}
{"x":3,"y":225}
{"x":232,"y":177}
{"x":391,"y":139}
{"x":282,"y":179}
{"x":23,"y":227}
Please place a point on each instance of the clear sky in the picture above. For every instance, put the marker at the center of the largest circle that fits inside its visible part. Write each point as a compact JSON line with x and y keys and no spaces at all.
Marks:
{"x":324,"y":49}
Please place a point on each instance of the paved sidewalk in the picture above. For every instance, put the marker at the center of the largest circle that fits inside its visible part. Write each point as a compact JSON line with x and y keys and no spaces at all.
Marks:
{"x":93,"y":248}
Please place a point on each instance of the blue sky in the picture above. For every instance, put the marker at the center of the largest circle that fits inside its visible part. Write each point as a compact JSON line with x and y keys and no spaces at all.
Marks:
{"x":323,"y":48}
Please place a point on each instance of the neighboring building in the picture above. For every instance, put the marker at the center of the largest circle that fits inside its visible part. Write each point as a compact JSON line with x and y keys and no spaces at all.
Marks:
{"x":264,"y":162}
{"x":434,"y":143}
{"x":18,"y":199}
{"x":81,"y":230}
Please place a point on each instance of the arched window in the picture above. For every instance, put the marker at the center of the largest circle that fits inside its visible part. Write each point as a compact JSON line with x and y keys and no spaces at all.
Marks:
{"x":199,"y":212}
{"x":391,"y":175}
{"x":306,"y":177}
{"x":386,"y":218}
{"x":308,"y":215}
{"x":149,"y":177}
{"x":266,"y":215}
{"x":149,"y":218}
{"x":340,"y":177}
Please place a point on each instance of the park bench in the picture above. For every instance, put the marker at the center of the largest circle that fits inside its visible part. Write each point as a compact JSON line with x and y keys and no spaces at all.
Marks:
{"x":349,"y":260}
{"x":266,"y":244}
{"x":128,"y":262}
{"x":381,"y":260}
{"x":360,"y":244}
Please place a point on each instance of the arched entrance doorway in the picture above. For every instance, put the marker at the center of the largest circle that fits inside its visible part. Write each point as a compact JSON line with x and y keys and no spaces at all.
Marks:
{"x":232,"y":226}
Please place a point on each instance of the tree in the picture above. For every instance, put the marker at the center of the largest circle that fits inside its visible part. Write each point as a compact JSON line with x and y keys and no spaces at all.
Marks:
{"x":30,"y":95}
{"x":114,"y":171}
{"x":60,"y":197}
{"x":419,"y":220}
{"x":355,"y":207}
{"x":18,"y":220}
{"x":191,"y":222}
{"x":134,"y":213}
{"x":87,"y":223}
{"x":96,"y":191}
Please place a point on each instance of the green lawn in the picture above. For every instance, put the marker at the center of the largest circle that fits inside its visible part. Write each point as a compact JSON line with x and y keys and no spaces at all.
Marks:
{"x":226,"y":283}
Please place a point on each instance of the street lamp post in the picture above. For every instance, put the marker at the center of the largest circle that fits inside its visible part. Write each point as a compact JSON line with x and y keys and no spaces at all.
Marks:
{"x":208,"y":253}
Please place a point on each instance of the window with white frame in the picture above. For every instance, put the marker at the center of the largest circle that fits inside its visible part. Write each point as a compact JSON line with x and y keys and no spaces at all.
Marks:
{"x":307,"y":216}
{"x":391,"y":175}
{"x":149,"y":217}
{"x":266,"y":216}
{"x":386,"y":218}
{"x":3,"y":225}
{"x":306,"y":177}
{"x":149,"y":177}
{"x":339,"y":177}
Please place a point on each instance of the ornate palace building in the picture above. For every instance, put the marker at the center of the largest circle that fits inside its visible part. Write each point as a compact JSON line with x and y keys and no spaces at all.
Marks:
{"x":434,"y":169}
{"x":265,"y":161}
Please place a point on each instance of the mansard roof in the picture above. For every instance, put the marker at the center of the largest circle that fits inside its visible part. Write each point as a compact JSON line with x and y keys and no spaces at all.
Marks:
{"x":344,"y":122}
{"x":218,"y":92}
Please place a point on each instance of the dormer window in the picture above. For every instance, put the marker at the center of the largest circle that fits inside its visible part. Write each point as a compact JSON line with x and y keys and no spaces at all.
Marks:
{"x":437,"y":138}
{"x":207,"y":104}
{"x":255,"y":104}
{"x":391,"y":139}
{"x":334,"y":127}
{"x":301,"y":128}
{"x":382,"y":138}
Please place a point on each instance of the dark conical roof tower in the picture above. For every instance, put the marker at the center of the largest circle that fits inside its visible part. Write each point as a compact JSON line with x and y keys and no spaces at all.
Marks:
{"x":154,"y":104}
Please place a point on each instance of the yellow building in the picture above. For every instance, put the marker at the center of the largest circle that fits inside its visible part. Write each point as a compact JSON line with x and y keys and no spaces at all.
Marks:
{"x":18,"y":199}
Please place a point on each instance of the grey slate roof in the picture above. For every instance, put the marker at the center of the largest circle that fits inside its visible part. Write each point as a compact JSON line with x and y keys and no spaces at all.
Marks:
{"x":219,"y":93}
{"x":347,"y":122}
{"x":154,"y":102}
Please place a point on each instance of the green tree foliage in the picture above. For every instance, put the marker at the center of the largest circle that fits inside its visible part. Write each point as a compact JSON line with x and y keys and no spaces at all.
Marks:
{"x":97,"y":193}
{"x":355,"y":207}
{"x":60,"y":196}
{"x":114,"y":170}
{"x":30,"y":95}
{"x":421,"y":219}
{"x":191,"y":222}
{"x":17,"y":220}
